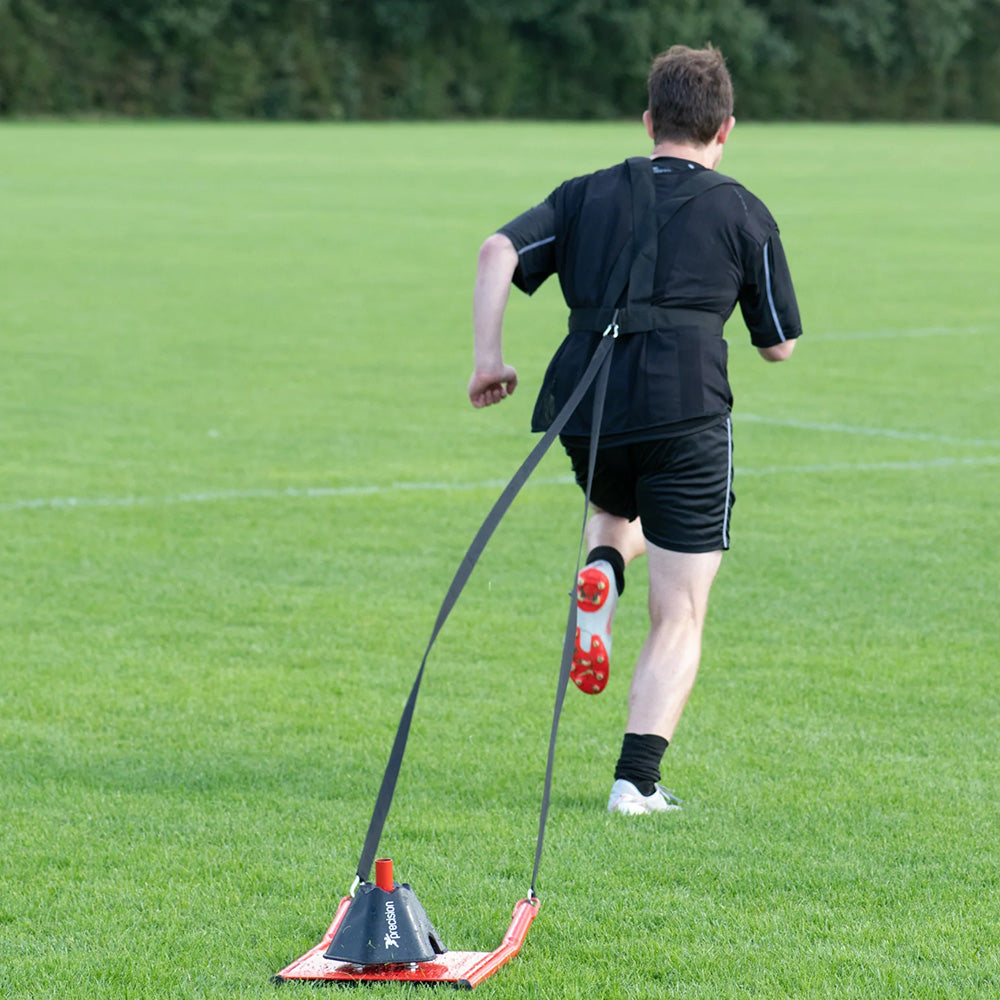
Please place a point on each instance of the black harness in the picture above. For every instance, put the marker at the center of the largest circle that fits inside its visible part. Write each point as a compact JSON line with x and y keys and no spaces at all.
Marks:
{"x":695,"y":335}
{"x":635,"y":268}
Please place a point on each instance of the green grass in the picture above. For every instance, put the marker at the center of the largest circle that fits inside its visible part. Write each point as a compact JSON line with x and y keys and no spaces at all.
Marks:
{"x":202,"y":664}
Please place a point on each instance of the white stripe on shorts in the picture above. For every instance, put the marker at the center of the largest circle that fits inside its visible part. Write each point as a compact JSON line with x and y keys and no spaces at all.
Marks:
{"x":729,"y":484}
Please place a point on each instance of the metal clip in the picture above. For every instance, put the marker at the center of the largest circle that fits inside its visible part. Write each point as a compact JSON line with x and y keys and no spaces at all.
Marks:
{"x":355,"y":884}
{"x":612,"y":327}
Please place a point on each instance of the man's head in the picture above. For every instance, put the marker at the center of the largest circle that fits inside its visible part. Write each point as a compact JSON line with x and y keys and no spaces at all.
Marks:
{"x":690,"y":95}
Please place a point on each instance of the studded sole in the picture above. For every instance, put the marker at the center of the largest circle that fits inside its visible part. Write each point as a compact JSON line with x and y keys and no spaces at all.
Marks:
{"x":592,"y":589}
{"x":590,"y":669}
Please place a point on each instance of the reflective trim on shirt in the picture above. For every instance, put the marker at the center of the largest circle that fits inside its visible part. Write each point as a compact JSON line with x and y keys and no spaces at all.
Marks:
{"x":770,"y":295}
{"x":537,"y":243}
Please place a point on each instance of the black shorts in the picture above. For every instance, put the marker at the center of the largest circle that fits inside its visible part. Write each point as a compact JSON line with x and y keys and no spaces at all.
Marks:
{"x":680,"y":487}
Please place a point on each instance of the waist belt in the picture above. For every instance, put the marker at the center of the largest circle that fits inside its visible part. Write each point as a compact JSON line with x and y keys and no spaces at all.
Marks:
{"x":643,"y":319}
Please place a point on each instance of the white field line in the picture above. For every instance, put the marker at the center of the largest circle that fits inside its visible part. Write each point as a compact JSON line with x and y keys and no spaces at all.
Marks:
{"x":945,"y":462}
{"x":216,"y":496}
{"x":886,"y":432}
{"x":897,"y":334}
{"x":291,"y":492}
{"x":321,"y":492}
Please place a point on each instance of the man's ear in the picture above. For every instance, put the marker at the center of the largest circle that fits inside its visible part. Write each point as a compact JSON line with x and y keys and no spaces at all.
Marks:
{"x":647,"y":120}
{"x":723,"y":134}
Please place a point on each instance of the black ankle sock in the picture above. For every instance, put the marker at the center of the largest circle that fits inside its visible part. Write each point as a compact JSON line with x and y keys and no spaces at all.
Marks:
{"x":639,"y":761}
{"x":613,"y":556}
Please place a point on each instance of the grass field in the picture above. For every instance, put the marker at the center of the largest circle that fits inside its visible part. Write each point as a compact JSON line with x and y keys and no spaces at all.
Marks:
{"x":238,"y":471}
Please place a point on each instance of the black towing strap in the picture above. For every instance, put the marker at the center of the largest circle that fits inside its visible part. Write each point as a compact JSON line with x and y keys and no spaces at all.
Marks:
{"x":599,"y":364}
{"x":632,"y":271}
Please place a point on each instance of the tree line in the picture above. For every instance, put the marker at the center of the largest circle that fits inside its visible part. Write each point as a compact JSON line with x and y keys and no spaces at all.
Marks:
{"x":575,"y":59}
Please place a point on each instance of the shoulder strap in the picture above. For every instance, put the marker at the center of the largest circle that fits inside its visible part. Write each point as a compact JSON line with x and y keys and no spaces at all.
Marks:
{"x":649,"y":219}
{"x":696,"y":183}
{"x":644,"y":233}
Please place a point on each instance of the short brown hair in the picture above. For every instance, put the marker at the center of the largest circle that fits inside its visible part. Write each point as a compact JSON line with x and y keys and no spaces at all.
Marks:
{"x":690,"y":94}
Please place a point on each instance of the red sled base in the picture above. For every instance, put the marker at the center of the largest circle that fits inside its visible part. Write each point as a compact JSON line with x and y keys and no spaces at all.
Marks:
{"x":463,"y":969}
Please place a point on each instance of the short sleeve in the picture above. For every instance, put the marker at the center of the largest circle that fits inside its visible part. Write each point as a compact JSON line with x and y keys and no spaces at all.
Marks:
{"x":533,"y":234}
{"x":767,"y":298}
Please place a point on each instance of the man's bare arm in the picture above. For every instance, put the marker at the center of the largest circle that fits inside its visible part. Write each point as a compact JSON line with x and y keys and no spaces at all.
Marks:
{"x":492,"y":380}
{"x":779,"y":352}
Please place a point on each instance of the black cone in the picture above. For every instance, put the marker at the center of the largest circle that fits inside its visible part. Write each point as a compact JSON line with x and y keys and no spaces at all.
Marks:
{"x":384,"y":928}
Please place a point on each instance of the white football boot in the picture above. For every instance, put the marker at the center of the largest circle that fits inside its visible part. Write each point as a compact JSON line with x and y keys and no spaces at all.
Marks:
{"x":627,"y":800}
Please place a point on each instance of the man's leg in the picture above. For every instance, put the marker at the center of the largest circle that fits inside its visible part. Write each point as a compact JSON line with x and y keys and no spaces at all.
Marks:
{"x":679,"y":585}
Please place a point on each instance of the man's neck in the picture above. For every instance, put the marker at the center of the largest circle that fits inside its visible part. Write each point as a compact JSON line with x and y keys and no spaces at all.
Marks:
{"x":707,"y":156}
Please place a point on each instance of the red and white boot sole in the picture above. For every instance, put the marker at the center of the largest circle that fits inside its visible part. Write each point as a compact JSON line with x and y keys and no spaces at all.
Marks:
{"x":596,"y":598}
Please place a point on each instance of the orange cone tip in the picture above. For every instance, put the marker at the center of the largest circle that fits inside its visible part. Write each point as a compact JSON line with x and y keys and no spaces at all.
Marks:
{"x":383,"y":873}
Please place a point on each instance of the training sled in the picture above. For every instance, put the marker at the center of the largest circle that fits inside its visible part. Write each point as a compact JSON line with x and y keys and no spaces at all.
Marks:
{"x":382,"y":934}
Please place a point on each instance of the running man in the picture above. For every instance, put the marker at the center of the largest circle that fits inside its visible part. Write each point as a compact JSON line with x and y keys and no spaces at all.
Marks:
{"x":663,"y":480}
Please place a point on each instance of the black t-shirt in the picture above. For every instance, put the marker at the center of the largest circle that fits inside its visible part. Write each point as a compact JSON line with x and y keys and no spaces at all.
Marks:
{"x":719,"y":248}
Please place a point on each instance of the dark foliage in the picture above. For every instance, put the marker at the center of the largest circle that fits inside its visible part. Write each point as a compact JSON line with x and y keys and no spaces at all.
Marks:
{"x":353,"y":59}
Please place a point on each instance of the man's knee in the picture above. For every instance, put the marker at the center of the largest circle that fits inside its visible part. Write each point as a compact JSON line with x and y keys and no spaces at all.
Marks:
{"x":679,"y":585}
{"x":676,"y":611}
